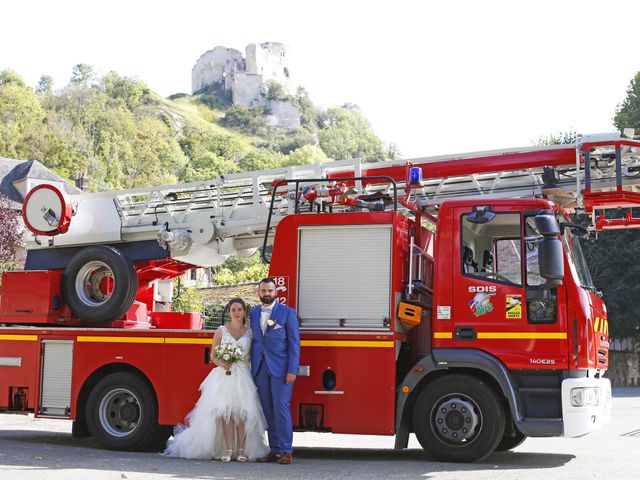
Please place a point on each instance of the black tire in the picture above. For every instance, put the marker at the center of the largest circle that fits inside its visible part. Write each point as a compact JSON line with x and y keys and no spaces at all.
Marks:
{"x":84,"y":280}
{"x":510,"y":440}
{"x":458,"y":418}
{"x":122,"y":413}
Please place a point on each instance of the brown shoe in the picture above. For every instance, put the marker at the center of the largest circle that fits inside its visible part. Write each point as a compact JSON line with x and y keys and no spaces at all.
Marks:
{"x":285,"y":459}
{"x":271,"y":458}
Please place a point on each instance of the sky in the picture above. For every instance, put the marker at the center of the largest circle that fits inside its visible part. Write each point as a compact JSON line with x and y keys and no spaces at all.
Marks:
{"x":433,"y":77}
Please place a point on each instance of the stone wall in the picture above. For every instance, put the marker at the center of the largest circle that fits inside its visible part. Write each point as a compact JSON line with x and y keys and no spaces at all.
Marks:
{"x":215,"y":67}
{"x":284,"y":114}
{"x":624,"y":362}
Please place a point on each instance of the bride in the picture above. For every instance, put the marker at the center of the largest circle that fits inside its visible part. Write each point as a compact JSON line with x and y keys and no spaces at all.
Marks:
{"x":227,"y":420}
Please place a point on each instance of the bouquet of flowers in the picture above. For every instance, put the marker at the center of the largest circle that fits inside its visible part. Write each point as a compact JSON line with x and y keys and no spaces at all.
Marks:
{"x":230,"y":353}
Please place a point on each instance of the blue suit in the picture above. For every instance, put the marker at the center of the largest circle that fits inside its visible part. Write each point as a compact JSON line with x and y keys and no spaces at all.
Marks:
{"x":274,"y":354}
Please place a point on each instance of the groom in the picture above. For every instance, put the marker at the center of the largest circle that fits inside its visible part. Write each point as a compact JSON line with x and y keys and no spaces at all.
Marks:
{"x":275,"y":356}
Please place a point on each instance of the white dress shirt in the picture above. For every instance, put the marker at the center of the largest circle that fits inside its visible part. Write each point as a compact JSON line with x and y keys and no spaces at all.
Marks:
{"x":265,"y":314}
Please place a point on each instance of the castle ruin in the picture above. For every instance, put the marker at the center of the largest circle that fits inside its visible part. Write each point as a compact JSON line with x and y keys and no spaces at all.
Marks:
{"x":245,"y":78}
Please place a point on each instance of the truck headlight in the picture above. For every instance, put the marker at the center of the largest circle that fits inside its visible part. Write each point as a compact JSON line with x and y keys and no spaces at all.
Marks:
{"x":585,"y":397}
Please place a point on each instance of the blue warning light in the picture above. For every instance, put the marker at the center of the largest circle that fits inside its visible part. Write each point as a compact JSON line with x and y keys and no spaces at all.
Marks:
{"x":415,"y":176}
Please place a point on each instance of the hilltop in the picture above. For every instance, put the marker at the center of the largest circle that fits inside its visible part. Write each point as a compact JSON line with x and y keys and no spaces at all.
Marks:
{"x":121,"y":134}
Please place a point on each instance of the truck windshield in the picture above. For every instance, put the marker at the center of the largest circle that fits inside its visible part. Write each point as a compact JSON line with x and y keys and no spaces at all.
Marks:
{"x":576,"y":258}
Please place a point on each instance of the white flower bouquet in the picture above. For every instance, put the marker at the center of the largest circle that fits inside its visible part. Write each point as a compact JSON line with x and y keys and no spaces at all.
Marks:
{"x":230,"y":353}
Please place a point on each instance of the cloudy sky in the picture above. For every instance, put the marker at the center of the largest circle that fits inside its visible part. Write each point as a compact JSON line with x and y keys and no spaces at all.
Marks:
{"x":434,"y":77}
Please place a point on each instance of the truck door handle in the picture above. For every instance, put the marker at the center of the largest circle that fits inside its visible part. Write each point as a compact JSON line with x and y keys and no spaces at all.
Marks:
{"x":466,"y":334}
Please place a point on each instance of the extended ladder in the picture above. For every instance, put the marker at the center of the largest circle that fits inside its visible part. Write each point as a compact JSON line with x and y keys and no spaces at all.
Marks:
{"x":596,"y":173}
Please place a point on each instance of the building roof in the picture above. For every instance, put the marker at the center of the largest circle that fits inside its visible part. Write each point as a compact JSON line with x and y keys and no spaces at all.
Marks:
{"x":14,"y":170}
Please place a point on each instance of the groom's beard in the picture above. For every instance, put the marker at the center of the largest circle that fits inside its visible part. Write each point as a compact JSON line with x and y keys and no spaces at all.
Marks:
{"x":267,"y":299}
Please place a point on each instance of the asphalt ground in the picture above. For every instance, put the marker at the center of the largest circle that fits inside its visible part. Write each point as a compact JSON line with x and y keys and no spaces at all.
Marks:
{"x":38,"y":449}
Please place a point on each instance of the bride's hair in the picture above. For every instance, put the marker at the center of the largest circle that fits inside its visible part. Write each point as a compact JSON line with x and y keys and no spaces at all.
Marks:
{"x":241,"y":302}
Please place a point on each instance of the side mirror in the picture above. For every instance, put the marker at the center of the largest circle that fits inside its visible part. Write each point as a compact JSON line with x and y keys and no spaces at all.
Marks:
{"x":576,"y":229}
{"x":550,"y":255}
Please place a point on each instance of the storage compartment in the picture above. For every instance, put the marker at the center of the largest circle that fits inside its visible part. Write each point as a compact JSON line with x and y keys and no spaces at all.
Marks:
{"x":31,"y":296}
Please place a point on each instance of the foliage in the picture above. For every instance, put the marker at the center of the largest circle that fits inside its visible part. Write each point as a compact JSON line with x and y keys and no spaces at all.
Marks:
{"x":9,"y":77}
{"x":82,"y":76}
{"x":286,"y":141}
{"x":10,"y":235}
{"x":557,"y":138}
{"x":308,"y":112}
{"x":617,"y":277}
{"x":21,"y":117}
{"x":253,"y":273}
{"x":345,"y":133}
{"x":273,"y":90}
{"x":627,"y":114}
{"x":187,"y":299}
{"x":247,"y":120}
{"x":45,"y":85}
{"x":306,"y":155}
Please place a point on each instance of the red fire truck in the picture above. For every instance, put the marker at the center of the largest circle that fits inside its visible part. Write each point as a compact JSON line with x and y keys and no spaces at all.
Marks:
{"x":445,"y":296}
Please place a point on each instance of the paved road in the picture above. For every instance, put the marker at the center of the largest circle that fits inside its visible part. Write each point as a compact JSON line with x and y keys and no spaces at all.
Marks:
{"x":33,"y":448}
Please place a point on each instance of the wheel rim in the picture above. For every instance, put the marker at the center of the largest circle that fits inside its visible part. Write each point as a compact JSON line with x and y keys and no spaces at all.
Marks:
{"x":119,"y":412}
{"x":94,"y":283}
{"x":456,"y":420}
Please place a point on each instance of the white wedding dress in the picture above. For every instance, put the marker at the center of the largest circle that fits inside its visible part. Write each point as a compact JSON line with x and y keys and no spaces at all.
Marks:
{"x":223,"y":396}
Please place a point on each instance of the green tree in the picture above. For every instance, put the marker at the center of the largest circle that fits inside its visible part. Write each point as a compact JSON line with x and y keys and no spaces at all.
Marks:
{"x":345,"y":133}
{"x":308,"y":112}
{"x":273,"y":90}
{"x":557,"y":138}
{"x":45,"y":85}
{"x":126,"y":91}
{"x":187,"y":299}
{"x":9,"y":77}
{"x":82,"y":75}
{"x":21,"y":117}
{"x":306,"y":155}
{"x":627,"y":114}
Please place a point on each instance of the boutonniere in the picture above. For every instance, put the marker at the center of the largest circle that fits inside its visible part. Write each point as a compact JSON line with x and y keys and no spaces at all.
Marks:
{"x":271,"y":322}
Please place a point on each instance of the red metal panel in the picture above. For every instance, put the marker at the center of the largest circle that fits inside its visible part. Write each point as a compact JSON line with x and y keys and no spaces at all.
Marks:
{"x":22,"y":346}
{"x":31,"y":297}
{"x":365,"y":376}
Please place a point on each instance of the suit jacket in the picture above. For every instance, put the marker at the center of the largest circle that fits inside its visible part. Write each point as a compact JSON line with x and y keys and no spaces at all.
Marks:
{"x":279,"y":346}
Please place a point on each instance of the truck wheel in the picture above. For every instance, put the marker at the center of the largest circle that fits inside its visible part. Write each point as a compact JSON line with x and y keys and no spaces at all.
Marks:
{"x":510,"y":440}
{"x":122,"y":413}
{"x":458,"y":418}
{"x":99,"y":284}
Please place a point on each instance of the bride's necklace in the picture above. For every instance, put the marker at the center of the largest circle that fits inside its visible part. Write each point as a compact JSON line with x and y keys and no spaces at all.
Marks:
{"x":236,"y":332}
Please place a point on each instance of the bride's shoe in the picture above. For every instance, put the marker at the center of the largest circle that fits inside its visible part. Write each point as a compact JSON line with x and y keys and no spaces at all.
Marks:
{"x":241,"y":456}
{"x":226,"y":457}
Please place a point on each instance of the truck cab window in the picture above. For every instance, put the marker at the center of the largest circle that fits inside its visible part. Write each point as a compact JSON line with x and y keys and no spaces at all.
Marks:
{"x":493,"y":250}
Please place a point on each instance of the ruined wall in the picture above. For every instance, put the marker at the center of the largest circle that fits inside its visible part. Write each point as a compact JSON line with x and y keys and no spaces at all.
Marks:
{"x":270,"y":60}
{"x":245,"y":89}
{"x":215,"y":66}
{"x":284,"y":114}
{"x":244,"y":78}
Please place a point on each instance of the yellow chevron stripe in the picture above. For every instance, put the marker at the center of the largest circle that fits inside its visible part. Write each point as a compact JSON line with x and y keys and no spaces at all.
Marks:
{"x":442,"y":335}
{"x":345,"y":343}
{"x":98,"y":339}
{"x":596,"y":324}
{"x":606,"y":327}
{"x":188,"y":341}
{"x":26,"y":338}
{"x":522,"y":335}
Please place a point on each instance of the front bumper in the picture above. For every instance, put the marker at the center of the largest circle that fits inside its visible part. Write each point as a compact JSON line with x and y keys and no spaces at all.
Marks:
{"x":581,"y":420}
